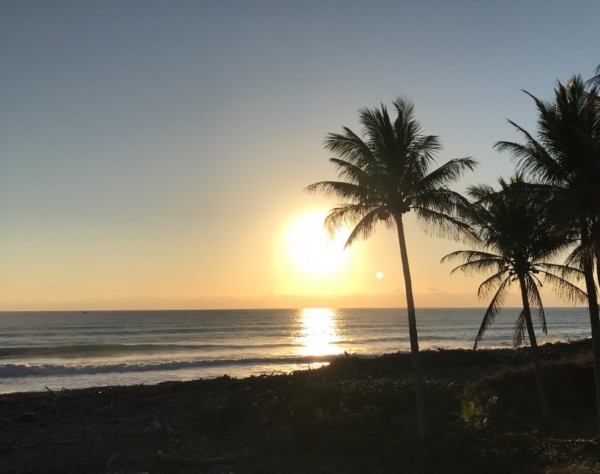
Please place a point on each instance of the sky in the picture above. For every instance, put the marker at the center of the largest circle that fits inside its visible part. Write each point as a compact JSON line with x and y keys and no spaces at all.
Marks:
{"x":153,"y":154}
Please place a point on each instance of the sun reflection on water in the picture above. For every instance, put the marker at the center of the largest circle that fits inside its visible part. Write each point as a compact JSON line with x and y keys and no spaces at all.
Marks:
{"x":318,"y":332}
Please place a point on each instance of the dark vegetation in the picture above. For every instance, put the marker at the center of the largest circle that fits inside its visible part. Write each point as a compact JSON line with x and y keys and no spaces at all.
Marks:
{"x":355,"y":416}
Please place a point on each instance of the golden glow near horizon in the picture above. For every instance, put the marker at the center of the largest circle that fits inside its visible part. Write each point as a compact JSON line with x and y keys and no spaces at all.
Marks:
{"x":312,"y":249}
{"x":318,"y":332}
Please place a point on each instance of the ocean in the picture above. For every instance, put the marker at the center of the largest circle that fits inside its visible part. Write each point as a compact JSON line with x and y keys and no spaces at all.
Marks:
{"x":56,"y":350}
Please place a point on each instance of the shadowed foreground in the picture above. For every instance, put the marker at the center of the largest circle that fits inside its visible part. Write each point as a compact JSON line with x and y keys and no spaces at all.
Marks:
{"x":355,"y":416}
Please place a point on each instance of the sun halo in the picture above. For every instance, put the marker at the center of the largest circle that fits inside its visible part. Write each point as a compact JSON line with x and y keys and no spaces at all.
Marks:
{"x":312,"y":249}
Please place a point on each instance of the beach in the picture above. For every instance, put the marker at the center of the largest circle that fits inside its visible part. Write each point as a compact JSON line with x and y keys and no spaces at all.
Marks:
{"x":355,"y":415}
{"x":250,"y":237}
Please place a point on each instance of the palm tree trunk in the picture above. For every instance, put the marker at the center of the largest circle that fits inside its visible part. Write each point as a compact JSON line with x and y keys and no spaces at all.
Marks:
{"x":597,"y":255}
{"x":590,"y":286}
{"x":535,"y":354}
{"x":412,"y":331}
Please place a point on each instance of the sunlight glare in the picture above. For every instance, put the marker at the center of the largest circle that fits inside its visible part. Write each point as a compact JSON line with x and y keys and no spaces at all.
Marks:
{"x":318,"y":334}
{"x":312,"y":249}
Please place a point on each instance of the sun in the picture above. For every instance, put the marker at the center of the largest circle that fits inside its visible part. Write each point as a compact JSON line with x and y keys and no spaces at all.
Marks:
{"x":311,"y":248}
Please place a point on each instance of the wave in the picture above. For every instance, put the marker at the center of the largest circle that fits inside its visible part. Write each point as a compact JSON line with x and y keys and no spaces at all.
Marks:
{"x":76,"y":350}
{"x":90,"y":350}
{"x":33,"y":370}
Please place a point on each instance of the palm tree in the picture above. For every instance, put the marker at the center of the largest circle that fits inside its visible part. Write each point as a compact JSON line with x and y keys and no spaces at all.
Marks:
{"x":565,"y":158}
{"x":594,"y":91}
{"x":514,"y":240}
{"x":385,"y":174}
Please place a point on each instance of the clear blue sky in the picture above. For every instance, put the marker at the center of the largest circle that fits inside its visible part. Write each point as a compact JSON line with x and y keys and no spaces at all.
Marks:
{"x":153,"y":153}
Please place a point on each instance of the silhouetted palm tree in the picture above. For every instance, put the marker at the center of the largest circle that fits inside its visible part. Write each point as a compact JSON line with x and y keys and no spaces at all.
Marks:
{"x":514,"y":240}
{"x":386,"y":174}
{"x":594,"y":90}
{"x":565,"y":157}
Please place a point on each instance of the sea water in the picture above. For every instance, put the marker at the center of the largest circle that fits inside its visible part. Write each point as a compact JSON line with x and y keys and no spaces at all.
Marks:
{"x":56,"y":350}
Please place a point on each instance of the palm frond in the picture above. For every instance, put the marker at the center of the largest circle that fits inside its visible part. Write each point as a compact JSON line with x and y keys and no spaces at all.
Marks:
{"x":535,"y":300}
{"x":412,"y":147}
{"x":580,"y":254}
{"x":405,"y":110}
{"x":475,"y":262}
{"x":448,"y":172}
{"x":348,"y":215}
{"x":469,"y":256}
{"x":519,"y":330}
{"x":594,"y":81}
{"x":480,"y":192}
{"x":440,"y":199}
{"x":352,"y":173}
{"x":564,"y":271}
{"x":532,"y":157}
{"x":492,"y":282}
{"x":478,"y":266}
{"x":340,"y":189}
{"x":377,"y":129}
{"x":565,"y":289}
{"x":443,"y":225}
{"x":492,"y":311}
{"x":430,"y":145}
{"x":349,"y":146}
{"x":366,"y":225}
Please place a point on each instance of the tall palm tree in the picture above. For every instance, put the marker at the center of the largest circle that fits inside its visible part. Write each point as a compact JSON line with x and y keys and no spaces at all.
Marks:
{"x":514,"y":240}
{"x":565,"y":157}
{"x":385,"y":174}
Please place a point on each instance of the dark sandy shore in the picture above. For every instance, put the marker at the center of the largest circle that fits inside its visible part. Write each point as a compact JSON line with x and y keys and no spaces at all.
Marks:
{"x":355,"y":416}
